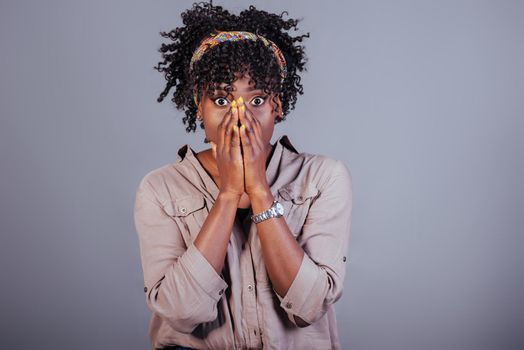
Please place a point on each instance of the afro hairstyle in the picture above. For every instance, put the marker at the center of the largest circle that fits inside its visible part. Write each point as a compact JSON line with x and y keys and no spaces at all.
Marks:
{"x":222,"y":63}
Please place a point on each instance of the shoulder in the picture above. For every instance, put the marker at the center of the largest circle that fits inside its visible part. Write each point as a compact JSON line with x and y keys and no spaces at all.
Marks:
{"x":161,"y":183}
{"x":320,"y":169}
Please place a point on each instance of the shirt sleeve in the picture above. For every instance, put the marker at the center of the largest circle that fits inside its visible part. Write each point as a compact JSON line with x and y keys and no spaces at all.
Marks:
{"x":325,"y":240}
{"x":180,"y":284}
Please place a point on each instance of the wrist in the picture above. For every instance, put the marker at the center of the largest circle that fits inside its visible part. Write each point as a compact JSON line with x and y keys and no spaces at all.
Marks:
{"x":260,"y":192}
{"x":229,"y":197}
{"x":261,"y":200}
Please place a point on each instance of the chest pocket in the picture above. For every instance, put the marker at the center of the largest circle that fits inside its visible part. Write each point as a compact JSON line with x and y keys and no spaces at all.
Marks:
{"x":189,"y":213}
{"x":296,"y":199}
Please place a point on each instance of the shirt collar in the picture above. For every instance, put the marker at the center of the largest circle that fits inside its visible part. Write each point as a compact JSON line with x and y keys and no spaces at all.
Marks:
{"x":284,"y":148}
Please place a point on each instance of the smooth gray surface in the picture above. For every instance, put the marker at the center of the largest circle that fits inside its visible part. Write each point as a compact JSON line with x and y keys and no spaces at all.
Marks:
{"x":423,"y":99}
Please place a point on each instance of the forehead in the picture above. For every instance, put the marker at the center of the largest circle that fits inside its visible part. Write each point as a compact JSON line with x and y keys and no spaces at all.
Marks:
{"x":240,"y":85}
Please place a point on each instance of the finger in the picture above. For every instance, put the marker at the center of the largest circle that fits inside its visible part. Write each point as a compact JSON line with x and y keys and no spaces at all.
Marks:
{"x":246,"y":142}
{"x":229,"y":130}
{"x":247,"y":122}
{"x":255,"y":126}
{"x":255,"y":138}
{"x":221,"y":132}
{"x":242,"y":117}
{"x":235,"y":144}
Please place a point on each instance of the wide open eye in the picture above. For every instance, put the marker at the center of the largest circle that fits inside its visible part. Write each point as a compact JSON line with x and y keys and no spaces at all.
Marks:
{"x":258,"y":100}
{"x":220,"y":101}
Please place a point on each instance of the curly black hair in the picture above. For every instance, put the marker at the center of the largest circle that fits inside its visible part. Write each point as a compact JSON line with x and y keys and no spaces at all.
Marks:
{"x":221,"y":63}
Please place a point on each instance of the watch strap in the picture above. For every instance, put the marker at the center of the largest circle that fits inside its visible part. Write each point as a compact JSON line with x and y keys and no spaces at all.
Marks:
{"x":266,"y":214}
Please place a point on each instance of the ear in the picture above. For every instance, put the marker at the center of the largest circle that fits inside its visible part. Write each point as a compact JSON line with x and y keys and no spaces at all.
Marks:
{"x":199,"y":108}
{"x":198,"y":104}
{"x":279,"y":104}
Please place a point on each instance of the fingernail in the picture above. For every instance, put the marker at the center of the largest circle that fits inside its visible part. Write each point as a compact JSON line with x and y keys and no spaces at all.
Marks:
{"x":240,"y":100}
{"x":243,"y":108}
{"x":234,"y":103}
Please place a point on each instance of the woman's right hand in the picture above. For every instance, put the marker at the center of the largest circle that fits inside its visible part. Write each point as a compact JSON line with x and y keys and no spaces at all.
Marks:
{"x":228,"y":155}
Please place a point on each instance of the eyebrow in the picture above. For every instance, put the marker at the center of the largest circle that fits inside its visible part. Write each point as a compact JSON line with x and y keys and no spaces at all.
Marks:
{"x":247,"y":90}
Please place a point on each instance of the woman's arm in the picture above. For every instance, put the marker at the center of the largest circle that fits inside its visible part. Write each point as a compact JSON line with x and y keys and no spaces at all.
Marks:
{"x":180,"y":284}
{"x":213,"y":238}
{"x":281,"y":252}
{"x":183,"y":285}
{"x":307,"y":275}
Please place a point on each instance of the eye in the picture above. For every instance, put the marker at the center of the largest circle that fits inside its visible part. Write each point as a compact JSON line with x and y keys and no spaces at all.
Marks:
{"x":220,"y":101}
{"x":259,"y":100}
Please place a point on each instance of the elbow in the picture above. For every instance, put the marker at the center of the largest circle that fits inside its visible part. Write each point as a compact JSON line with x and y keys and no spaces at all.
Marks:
{"x":187,"y":324}
{"x":182,"y":325}
{"x":303,"y":322}
{"x":183,"y":317}
{"x":300,"y":322}
{"x":317,"y":310}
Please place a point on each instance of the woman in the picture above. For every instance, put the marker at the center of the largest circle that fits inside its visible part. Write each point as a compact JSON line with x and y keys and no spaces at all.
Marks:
{"x":243,"y":245}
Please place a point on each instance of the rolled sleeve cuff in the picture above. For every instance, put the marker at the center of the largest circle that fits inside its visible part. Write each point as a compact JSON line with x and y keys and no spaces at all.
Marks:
{"x":203,"y":272}
{"x":299,"y":299}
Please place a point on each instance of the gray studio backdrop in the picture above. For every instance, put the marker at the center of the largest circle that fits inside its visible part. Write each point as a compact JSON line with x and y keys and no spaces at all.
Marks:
{"x":422,"y":99}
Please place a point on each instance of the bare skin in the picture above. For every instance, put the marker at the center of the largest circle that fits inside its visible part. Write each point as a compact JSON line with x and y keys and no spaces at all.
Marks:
{"x":241,"y":179}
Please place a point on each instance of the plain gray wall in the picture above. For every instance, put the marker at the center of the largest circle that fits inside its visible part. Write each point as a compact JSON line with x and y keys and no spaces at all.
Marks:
{"x":423,"y":100}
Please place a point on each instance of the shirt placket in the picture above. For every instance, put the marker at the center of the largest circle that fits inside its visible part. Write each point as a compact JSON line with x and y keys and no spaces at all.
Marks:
{"x":249,"y":307}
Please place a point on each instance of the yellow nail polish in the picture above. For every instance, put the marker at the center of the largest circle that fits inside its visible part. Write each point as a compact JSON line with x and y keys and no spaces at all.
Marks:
{"x":234,"y":103}
{"x":243,"y":108}
{"x":240,"y":100}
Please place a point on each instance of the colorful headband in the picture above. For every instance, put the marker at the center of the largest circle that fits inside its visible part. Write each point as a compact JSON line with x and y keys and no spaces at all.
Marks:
{"x":224,"y":36}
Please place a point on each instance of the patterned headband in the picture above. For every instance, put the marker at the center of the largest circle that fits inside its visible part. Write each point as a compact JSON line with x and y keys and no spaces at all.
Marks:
{"x":223,"y":36}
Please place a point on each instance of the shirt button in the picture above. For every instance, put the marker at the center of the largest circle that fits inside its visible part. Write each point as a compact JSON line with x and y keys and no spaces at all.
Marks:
{"x":344,"y":259}
{"x":289,"y":305}
{"x":250,"y":288}
{"x":183,"y":210}
{"x":145,"y":289}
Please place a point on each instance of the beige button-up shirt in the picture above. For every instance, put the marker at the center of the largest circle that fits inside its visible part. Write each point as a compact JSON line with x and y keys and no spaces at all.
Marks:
{"x":194,"y":306}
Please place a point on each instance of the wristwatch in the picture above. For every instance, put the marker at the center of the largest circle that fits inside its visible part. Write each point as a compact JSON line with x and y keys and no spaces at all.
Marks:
{"x":276,"y":211}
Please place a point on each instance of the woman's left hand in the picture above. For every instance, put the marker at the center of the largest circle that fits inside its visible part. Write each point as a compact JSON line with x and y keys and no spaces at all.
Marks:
{"x":255,"y":153}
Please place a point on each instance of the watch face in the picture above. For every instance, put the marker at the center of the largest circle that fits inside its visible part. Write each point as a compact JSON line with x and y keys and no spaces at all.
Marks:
{"x":279,"y":208}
